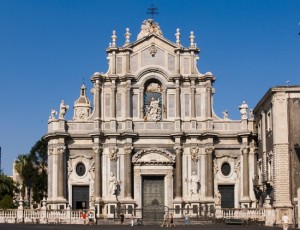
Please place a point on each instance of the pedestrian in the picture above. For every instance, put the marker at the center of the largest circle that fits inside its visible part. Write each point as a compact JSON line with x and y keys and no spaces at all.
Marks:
{"x":132,"y":219}
{"x":186,"y":219}
{"x":91,"y":218}
{"x":172,"y":221}
{"x":285,"y":221}
{"x":165,"y":220}
{"x":83,"y":216}
{"x":122,"y":217}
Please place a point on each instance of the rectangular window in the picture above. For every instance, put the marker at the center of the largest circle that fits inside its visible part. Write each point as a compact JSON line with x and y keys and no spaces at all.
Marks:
{"x":119,"y":105}
{"x":198,"y":105}
{"x":269,"y":121}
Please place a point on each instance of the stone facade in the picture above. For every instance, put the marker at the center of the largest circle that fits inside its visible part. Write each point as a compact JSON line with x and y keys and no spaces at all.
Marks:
{"x":278,"y":165}
{"x":151,"y":121}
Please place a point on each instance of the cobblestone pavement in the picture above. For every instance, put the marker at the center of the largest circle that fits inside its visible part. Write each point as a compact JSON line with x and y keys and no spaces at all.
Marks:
{"x":127,"y":227}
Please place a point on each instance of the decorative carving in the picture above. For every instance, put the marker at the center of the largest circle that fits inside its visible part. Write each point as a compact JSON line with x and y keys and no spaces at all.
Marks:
{"x":237,"y":169}
{"x":192,"y":39}
{"x":218,"y":198}
{"x":216,"y":167}
{"x":92,"y":179}
{"x":63,"y":109}
{"x":152,"y":50}
{"x":243,"y":110}
{"x":225,"y":115}
{"x":178,"y":149}
{"x":154,"y":87}
{"x":61,"y":149}
{"x":245,"y":150}
{"x":127,"y":37}
{"x":70,"y":167}
{"x":113,"y":153}
{"x":97,"y":150}
{"x":194,"y":153}
{"x":50,"y":151}
{"x":153,"y":111}
{"x":128,"y":149}
{"x":209,"y":150}
{"x":148,"y":27}
{"x":137,"y":156}
{"x":177,"y":35}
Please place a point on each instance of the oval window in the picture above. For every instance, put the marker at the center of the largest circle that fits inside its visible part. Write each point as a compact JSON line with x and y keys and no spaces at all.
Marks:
{"x":226,"y":169}
{"x":80,"y":169}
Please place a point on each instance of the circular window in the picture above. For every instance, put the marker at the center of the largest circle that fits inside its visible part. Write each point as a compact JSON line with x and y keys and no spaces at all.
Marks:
{"x":225,"y":169}
{"x":80,"y":169}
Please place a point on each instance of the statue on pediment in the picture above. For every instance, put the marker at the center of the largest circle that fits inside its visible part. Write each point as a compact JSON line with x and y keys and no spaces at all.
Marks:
{"x":149,"y":27}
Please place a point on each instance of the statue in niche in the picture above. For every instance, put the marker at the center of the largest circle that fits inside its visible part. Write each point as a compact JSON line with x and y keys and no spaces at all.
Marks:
{"x":63,"y":109}
{"x":195,"y":184}
{"x":112,"y":184}
{"x":153,"y":111}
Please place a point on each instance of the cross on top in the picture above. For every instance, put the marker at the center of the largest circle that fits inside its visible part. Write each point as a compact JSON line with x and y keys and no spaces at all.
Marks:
{"x":152,"y":10}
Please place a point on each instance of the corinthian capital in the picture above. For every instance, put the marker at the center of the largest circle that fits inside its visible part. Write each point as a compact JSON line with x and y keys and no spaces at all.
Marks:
{"x":61,"y":149}
{"x":209,"y":150}
{"x":128,"y":149}
{"x":178,"y":149}
{"x":97,"y":150}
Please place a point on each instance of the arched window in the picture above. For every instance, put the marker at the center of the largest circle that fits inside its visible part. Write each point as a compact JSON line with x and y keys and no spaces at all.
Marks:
{"x":152,"y":101}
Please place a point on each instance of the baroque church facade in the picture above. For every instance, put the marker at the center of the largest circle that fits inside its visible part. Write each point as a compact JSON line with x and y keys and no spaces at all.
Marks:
{"x":149,"y":135}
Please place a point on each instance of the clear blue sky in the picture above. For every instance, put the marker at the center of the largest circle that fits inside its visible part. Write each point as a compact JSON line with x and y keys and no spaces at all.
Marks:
{"x":48,"y":46}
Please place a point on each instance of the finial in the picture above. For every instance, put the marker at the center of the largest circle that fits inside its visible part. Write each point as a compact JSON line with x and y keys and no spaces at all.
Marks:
{"x":177,"y":35}
{"x":127,"y":36}
{"x":113,"y":38}
{"x":192,"y":39}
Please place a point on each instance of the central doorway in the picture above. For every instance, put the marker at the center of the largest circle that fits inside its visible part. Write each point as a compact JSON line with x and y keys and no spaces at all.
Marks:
{"x":227,"y":196}
{"x":80,"y":197}
{"x":153,"y":197}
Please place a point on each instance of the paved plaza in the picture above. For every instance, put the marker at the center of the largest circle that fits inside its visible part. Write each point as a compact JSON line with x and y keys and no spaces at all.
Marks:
{"x":125,"y":227}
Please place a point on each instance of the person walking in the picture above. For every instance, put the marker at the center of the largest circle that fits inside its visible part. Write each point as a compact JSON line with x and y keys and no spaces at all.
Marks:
{"x":172,"y":220}
{"x":83,"y":216}
{"x":122,"y":217}
{"x":132,"y":219}
{"x":91,"y":218}
{"x":165,"y":220}
{"x":285,"y":221}
{"x":186,"y":219}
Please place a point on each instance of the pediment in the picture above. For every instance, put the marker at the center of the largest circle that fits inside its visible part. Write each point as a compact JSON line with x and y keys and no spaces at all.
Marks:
{"x":153,"y":156}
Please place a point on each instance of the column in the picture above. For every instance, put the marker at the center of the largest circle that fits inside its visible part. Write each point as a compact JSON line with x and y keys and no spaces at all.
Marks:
{"x":127,"y":172}
{"x":164,"y":102}
{"x":96,"y":79}
{"x":141,"y":102}
{"x":209,"y":172}
{"x":178,"y":172}
{"x":245,"y":151}
{"x":98,"y":179}
{"x":178,"y":108}
{"x":193,"y":105}
{"x":208,"y":109}
{"x":113,"y":98}
{"x":60,"y":172}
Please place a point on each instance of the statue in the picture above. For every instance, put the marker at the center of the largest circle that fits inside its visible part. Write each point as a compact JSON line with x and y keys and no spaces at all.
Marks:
{"x":243,"y":110}
{"x":153,"y":111}
{"x":112,"y":184}
{"x":52,"y":115}
{"x":63,"y":109}
{"x":148,"y":27}
{"x":225,"y":115}
{"x":195,"y":184}
{"x":218,"y":198}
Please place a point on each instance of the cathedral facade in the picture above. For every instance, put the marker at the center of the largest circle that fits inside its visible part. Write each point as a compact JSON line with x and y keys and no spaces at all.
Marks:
{"x":149,"y":136}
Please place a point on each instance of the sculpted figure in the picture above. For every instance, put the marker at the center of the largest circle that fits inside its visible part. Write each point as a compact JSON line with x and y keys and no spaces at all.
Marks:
{"x":243,"y":110}
{"x":153,"y":110}
{"x":112,"y":183}
{"x":63,"y":109}
{"x":52,"y":115}
{"x":195,"y":184}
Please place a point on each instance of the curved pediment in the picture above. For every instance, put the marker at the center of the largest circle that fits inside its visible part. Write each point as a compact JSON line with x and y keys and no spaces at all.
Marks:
{"x":153,"y":156}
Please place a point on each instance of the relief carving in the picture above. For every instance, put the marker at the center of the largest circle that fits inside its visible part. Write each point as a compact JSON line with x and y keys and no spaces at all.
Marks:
{"x":113,"y":153}
{"x":194,"y":153}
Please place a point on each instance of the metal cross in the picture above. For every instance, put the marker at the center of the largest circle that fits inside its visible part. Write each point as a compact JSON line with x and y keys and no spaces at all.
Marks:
{"x":152,"y":10}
